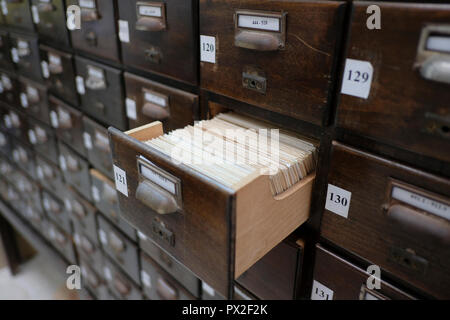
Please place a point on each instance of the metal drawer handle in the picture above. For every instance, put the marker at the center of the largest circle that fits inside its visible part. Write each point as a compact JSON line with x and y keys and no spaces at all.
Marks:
{"x":436,"y":68}
{"x":165,"y":290}
{"x":416,"y":221}
{"x":156,"y":198}
{"x":72,"y":163}
{"x":109,"y":193}
{"x":257,"y":41}
{"x":116,"y":243}
{"x":150,"y":24}
{"x":88,"y":15}
{"x":87,"y":246}
{"x":45,"y":7}
{"x":78,"y":209}
{"x":156,"y":112}
{"x":122,"y":287}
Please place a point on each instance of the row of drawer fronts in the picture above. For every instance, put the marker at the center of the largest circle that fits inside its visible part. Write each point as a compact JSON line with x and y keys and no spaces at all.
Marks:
{"x":196,"y":244}
{"x":393,"y":216}
{"x":425,"y":113}
{"x":102,"y":96}
{"x":347,"y":281}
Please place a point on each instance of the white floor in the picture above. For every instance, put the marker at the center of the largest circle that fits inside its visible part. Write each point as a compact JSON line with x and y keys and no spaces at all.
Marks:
{"x":37,"y":279}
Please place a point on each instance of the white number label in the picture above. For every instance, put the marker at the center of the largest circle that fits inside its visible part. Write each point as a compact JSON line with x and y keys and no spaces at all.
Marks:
{"x":208,"y":289}
{"x":120,"y":178}
{"x":357,"y":78}
{"x":146,"y":280}
{"x":258,"y":22}
{"x":4,"y":7}
{"x":35,"y":14}
{"x":14,"y":55}
{"x":320,"y":292}
{"x":24,"y":100}
{"x":131,"y":108}
{"x":87,"y":140}
{"x":54,"y":119}
{"x":107,"y":273}
{"x":103,"y":237}
{"x":338,"y":200}
{"x":124,"y":33}
{"x":62,"y":163}
{"x":150,"y":11}
{"x":207,"y":49}
{"x":80,"y":85}
{"x":95,"y":194}
{"x":45,"y":71}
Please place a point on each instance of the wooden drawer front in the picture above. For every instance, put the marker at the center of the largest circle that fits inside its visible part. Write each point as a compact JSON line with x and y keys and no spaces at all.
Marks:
{"x":28,"y":190}
{"x":96,"y":142}
{"x":118,"y":247}
{"x":106,"y":200}
{"x":18,"y":15}
{"x":61,"y":240}
{"x":25,"y":55}
{"x":43,"y":139}
{"x":404,"y":108}
{"x":12,"y":196}
{"x":121,"y":286}
{"x":33,"y":99}
{"x":16,"y":123}
{"x":97,"y":34}
{"x":102,"y":97}
{"x":34,"y":216}
{"x":289,"y":72}
{"x":50,"y":177}
{"x":92,"y":279}
{"x":276,"y":275}
{"x":75,"y":170}
{"x":51,"y":21}
{"x":158,"y":284}
{"x":56,"y":211}
{"x":5,"y":52}
{"x":68,"y":124}
{"x":179,"y":272}
{"x":82,"y":213}
{"x":5,"y":144}
{"x":347,"y":281}
{"x":385,"y":224}
{"x":241,"y":294}
{"x":10,"y":86}
{"x":211,"y":213}
{"x":148,"y":101}
{"x":59,"y":72}
{"x":87,"y":247}
{"x":166,"y":45}
{"x":23,"y":157}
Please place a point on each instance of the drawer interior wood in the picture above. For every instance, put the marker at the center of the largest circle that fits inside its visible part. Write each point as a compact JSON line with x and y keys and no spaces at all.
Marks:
{"x":219,"y":232}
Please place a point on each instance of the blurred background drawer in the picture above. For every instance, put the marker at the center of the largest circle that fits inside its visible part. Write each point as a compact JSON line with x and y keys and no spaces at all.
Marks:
{"x":279,"y":55}
{"x":59,"y":71}
{"x":338,"y":279}
{"x":97,"y":34}
{"x":50,"y":177}
{"x":92,"y":279}
{"x":407,"y":105}
{"x":17,"y":14}
{"x":61,"y":240}
{"x":16,"y":124}
{"x":25,"y":55}
{"x":96,"y":143}
{"x":120,"y":285}
{"x":178,"y":271}
{"x":68,"y":124}
{"x":158,"y":284}
{"x":9,"y":89}
{"x":50,"y":20}
{"x":87,"y":247}
{"x":392,"y":215}
{"x":43,"y":139}
{"x":106,"y":200}
{"x":119,"y":248}
{"x":33,"y":99}
{"x":6,"y":62}
{"x":23,"y":157}
{"x":55,"y":210}
{"x":160,"y":37}
{"x":82,"y":213}
{"x":101,"y":92}
{"x":75,"y":170}
{"x":148,"y":101}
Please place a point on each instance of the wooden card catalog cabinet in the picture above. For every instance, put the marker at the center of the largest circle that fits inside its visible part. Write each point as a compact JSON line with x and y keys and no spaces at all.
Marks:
{"x":277,"y":55}
{"x":215,"y":231}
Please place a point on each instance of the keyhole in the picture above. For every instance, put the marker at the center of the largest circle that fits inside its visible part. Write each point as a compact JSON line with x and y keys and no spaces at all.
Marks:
{"x":445,"y":129}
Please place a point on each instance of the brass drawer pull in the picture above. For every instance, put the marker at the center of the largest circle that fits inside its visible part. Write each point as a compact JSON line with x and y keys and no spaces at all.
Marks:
{"x":155,"y":198}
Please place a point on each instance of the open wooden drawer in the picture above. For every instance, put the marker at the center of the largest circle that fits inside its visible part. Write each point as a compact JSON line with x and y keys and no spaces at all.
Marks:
{"x":218,"y":233}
